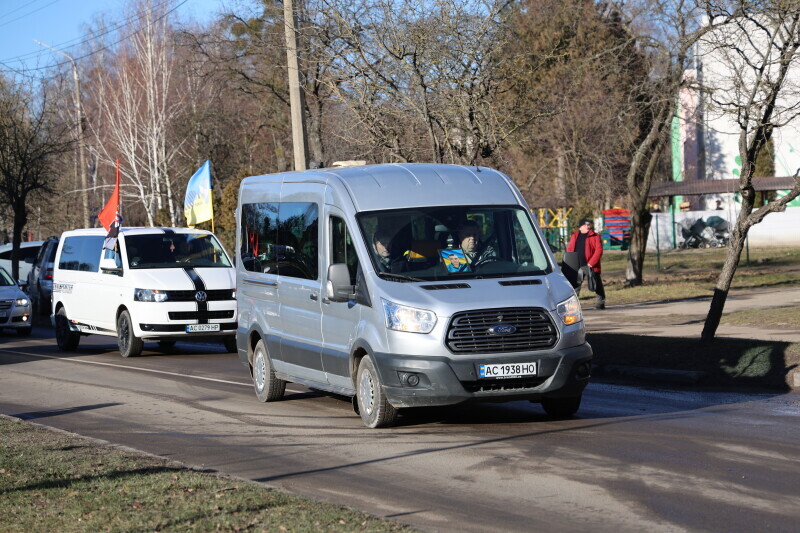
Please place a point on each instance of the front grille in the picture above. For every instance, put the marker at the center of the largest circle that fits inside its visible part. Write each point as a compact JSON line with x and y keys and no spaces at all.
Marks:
{"x":6,"y":304}
{"x":211,"y":296}
{"x":468,"y":332}
{"x":200,"y":315}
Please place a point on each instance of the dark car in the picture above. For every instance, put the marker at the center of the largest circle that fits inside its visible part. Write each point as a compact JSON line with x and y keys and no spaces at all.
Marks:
{"x":40,"y":278}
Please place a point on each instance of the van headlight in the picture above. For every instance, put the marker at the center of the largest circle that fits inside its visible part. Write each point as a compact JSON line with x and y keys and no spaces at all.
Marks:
{"x":149,"y":295}
{"x":403,"y":318}
{"x":570,"y":311}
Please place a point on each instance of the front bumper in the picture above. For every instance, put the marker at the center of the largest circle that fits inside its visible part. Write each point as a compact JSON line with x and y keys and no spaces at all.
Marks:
{"x":16,"y":317}
{"x":448,"y":381}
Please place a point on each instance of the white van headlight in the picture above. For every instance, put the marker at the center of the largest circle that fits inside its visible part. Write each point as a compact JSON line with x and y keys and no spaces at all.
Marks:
{"x":403,"y":318}
{"x":570,"y":311}
{"x":149,"y":295}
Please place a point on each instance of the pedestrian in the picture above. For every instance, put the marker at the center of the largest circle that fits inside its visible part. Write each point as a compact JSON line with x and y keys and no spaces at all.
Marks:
{"x":590,"y":249}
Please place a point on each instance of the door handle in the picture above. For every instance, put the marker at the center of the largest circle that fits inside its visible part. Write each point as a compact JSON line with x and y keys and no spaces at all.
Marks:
{"x":314,"y":296}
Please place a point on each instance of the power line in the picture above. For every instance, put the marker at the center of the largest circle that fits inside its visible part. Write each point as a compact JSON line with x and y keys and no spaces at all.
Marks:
{"x":106,"y":47}
{"x":9,"y":13}
{"x":29,"y":13}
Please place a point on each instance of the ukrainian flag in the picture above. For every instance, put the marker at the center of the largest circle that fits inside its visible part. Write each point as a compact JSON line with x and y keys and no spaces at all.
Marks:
{"x":197,"y":204}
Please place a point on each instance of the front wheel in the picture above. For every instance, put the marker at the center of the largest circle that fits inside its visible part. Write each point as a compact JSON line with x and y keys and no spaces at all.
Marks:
{"x":129,"y":344}
{"x":268,"y":386}
{"x":374,"y":408}
{"x":66,"y":339}
{"x":561,"y":407}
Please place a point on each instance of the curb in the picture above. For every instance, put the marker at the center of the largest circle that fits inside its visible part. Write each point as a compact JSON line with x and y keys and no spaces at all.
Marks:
{"x":661,"y":375}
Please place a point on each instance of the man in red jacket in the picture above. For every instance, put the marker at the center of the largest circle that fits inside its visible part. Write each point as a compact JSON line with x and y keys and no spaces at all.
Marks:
{"x":588,"y":242}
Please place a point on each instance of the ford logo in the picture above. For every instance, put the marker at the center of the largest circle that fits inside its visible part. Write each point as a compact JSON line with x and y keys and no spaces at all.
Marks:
{"x":502,"y":329}
{"x":200,"y":296}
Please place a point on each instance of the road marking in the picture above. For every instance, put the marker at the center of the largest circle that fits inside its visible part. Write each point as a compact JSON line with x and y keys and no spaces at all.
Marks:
{"x":129,"y":368}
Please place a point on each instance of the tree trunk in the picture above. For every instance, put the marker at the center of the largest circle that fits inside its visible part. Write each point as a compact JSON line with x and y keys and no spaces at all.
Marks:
{"x":20,"y":219}
{"x":640,"y":229}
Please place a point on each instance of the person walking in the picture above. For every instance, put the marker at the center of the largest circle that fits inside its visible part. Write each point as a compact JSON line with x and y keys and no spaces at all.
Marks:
{"x":587,"y":243}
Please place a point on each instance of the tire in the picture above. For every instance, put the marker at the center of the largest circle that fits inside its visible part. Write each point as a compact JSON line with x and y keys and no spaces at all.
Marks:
{"x":66,"y":339}
{"x":129,"y":344}
{"x":230,"y":344}
{"x":24,"y":332}
{"x":166,"y":344}
{"x":560,"y":408}
{"x":268,"y":387}
{"x":374,"y":409}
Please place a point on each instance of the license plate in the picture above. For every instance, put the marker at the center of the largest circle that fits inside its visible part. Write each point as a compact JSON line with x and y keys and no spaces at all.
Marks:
{"x":193,"y":328}
{"x":508,"y":370}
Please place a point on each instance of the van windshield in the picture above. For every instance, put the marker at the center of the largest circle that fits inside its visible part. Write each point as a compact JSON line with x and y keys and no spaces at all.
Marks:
{"x":175,"y":250}
{"x":454,"y":242}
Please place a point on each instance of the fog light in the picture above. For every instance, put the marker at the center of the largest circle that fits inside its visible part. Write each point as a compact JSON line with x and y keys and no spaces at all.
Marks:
{"x":24,"y":318}
{"x":413,"y":380}
{"x":583,"y":371}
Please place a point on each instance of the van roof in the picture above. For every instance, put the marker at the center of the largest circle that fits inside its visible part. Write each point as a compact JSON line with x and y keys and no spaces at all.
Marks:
{"x":399,"y":185}
{"x":132,"y":231}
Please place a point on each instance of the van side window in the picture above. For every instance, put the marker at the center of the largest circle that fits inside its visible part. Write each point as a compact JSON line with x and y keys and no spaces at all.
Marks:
{"x":259,"y":235}
{"x":298,"y":240}
{"x":342,"y":248}
{"x":81,"y":253}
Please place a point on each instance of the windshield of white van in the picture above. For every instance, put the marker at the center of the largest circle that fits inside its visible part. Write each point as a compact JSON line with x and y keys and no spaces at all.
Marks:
{"x":175,"y":250}
{"x":454,"y":242}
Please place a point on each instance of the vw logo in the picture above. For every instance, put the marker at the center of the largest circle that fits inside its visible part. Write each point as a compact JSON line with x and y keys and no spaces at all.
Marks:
{"x":200,"y":296}
{"x":502,"y":329}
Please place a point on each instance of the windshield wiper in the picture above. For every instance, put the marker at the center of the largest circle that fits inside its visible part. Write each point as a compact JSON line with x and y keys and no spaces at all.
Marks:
{"x":398,"y":277}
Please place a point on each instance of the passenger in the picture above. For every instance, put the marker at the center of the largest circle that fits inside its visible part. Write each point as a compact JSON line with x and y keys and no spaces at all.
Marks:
{"x":469,"y":239}
{"x":387,"y":262}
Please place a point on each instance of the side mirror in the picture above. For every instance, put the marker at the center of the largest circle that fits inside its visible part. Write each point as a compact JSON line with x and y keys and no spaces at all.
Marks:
{"x":339,"y":288}
{"x":109,"y":266}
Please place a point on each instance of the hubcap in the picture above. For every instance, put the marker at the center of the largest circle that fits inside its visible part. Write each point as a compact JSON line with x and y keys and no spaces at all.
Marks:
{"x":366,"y":391}
{"x":260,"y":370}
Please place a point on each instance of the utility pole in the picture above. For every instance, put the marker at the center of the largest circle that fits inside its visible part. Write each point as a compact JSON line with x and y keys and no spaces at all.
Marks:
{"x":295,"y":94}
{"x":79,"y":120}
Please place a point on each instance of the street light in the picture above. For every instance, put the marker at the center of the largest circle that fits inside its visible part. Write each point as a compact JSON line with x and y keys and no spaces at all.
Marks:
{"x":78,"y":131}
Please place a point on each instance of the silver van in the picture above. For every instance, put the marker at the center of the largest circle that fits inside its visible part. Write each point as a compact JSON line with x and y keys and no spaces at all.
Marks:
{"x":404,"y":285}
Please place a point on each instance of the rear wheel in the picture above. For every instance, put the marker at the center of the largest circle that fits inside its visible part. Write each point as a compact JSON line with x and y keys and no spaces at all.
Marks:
{"x":66,"y":339}
{"x":375,"y":410}
{"x":129,"y":344}
{"x":561,"y":407}
{"x":268,"y":387}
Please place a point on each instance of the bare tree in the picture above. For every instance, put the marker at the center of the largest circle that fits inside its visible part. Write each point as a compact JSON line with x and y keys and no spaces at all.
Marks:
{"x":757,"y":50}
{"x":138,"y":104}
{"x":31,"y":136}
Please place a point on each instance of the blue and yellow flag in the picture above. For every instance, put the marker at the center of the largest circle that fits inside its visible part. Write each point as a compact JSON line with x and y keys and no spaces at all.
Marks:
{"x":197,"y":205}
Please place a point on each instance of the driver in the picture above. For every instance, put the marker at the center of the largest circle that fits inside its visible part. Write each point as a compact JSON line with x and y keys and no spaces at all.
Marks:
{"x":475,"y":252}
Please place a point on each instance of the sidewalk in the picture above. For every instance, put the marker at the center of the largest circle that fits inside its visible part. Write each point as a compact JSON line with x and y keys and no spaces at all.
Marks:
{"x":685,"y":318}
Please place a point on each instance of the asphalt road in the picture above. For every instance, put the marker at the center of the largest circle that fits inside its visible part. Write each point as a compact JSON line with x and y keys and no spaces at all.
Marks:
{"x":634,"y":459}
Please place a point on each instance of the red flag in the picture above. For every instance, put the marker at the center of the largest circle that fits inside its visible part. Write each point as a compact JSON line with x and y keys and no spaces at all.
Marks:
{"x":111,"y":210}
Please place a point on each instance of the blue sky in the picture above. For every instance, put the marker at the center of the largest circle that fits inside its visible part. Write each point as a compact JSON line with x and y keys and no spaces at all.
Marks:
{"x":62,"y":23}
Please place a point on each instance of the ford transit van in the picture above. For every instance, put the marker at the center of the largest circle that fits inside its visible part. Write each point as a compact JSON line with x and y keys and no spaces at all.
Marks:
{"x":158,"y":284}
{"x":404,"y":285}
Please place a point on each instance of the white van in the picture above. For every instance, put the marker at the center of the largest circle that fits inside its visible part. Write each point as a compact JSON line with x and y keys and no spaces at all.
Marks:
{"x":160,"y":284}
{"x":404,"y":285}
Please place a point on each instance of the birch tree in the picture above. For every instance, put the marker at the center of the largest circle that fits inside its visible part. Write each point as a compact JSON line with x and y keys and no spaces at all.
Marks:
{"x":138,"y":104}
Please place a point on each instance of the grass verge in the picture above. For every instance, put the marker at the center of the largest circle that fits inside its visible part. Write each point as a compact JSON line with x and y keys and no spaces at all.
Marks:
{"x":54,"y":481}
{"x":731,"y":364}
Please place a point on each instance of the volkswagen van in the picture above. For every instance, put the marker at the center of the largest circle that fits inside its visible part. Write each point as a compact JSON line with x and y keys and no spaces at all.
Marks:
{"x":361,"y":281}
{"x":157,"y":284}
